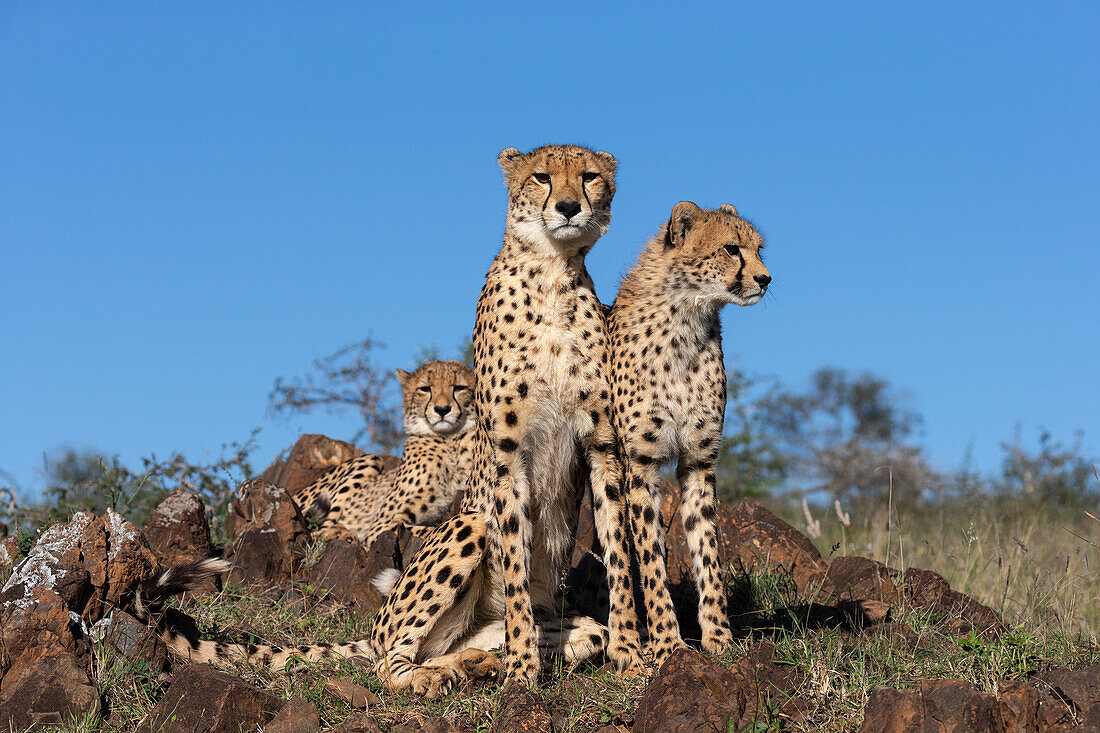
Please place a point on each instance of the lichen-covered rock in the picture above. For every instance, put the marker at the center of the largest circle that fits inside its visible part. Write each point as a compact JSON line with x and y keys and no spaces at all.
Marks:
{"x":201,"y":699}
{"x":178,"y":531}
{"x":129,"y":559}
{"x":270,"y":533}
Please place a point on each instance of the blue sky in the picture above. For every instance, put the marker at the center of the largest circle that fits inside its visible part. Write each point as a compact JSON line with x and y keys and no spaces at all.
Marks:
{"x":198,"y":198}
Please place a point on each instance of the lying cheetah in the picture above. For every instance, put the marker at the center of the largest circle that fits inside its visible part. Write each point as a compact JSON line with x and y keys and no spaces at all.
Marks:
{"x":670,"y":395}
{"x":439,"y":418}
{"x":544,"y":417}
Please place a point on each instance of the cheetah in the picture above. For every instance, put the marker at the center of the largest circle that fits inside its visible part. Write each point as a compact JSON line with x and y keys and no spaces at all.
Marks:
{"x":669,"y":396}
{"x":438,"y":406}
{"x":543,"y":404}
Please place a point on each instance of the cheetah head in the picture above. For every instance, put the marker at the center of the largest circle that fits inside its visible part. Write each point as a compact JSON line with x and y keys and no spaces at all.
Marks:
{"x":559,"y":196}
{"x":717,"y":254}
{"x":438,"y":398}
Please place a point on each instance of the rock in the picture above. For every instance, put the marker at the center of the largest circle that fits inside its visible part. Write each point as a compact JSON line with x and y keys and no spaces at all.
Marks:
{"x":520,"y":709}
{"x":357,"y":723}
{"x":1069,"y":696}
{"x":134,"y":640}
{"x":929,"y":591}
{"x":178,"y":531}
{"x":892,"y":711}
{"x":202,"y":699}
{"x":944,"y":706}
{"x":437,"y":725}
{"x":270,"y":533}
{"x":297,"y":716}
{"x":690,"y":693}
{"x":751,"y":537}
{"x":9,"y":553}
{"x":763,"y":680}
{"x":1019,"y":703}
{"x":309,"y":458}
{"x":129,"y":559}
{"x":38,"y":621}
{"x":860,"y":578}
{"x":46,"y":690}
{"x":357,"y":696}
{"x":346,"y":570}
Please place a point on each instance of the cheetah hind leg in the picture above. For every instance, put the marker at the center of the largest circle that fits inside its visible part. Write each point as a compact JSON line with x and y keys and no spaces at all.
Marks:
{"x":430,"y":608}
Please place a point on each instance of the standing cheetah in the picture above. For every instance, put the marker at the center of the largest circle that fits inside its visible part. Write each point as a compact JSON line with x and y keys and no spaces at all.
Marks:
{"x":438,"y":405}
{"x":543,"y":403}
{"x":669,"y":395}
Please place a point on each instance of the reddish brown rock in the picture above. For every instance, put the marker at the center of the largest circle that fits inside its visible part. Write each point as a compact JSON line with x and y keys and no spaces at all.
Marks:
{"x":929,"y":591}
{"x":944,"y":706}
{"x":753,"y":537}
{"x":201,"y":699}
{"x":45,"y":690}
{"x":129,"y":559}
{"x":310,"y":457}
{"x":9,"y":553}
{"x":892,"y":711}
{"x":1069,"y":696}
{"x":270,"y":533}
{"x":519,"y":710}
{"x":1019,"y":703}
{"x":690,"y":693}
{"x":357,"y":696}
{"x":346,"y":570}
{"x":38,"y":621}
{"x":437,"y":725}
{"x":860,"y":578}
{"x":132,"y":639}
{"x":297,"y":716}
{"x":178,"y":531}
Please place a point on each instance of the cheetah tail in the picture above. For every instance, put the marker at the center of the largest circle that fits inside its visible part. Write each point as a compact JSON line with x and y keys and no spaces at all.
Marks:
{"x":180,"y":634}
{"x":386,"y":580}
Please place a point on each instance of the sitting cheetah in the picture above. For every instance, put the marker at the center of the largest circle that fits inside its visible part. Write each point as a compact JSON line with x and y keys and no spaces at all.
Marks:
{"x":669,"y":395}
{"x":435,"y":464}
{"x":544,"y":424}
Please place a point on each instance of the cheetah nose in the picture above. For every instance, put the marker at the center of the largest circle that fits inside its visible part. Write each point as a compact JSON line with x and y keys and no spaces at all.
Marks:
{"x":568,"y":208}
{"x":762,"y":280}
{"x":442,"y":409}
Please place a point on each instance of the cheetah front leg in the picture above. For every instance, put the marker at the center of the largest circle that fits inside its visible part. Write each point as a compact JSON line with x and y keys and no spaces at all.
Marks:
{"x":431,"y":606}
{"x":512,"y":498}
{"x":697,"y":510}
{"x":644,"y":498}
{"x":612,"y":527}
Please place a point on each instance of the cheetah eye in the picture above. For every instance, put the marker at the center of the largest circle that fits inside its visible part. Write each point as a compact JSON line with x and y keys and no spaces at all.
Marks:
{"x":425,"y":389}
{"x":589,"y":177}
{"x":461,"y":388}
{"x":732,"y":250}
{"x":542,"y":177}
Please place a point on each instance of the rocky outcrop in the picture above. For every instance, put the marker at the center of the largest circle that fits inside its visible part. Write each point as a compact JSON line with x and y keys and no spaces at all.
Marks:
{"x":929,"y":591}
{"x":520,"y":710}
{"x":74,"y":573}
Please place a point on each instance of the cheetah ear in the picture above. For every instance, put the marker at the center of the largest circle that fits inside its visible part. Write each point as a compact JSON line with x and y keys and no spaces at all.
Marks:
{"x":684,"y":216}
{"x":402,"y":377}
{"x":508,"y":159}
{"x":729,"y":209}
{"x":607,"y":158}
